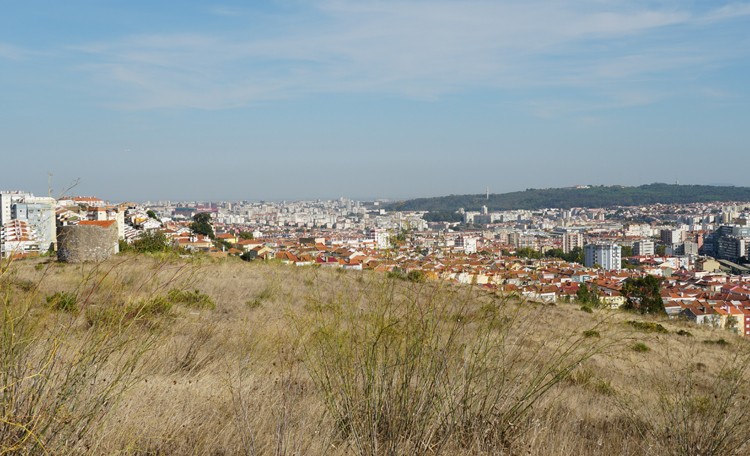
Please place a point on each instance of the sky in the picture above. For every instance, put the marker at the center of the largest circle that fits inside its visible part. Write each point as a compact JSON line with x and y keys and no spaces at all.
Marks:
{"x":199,"y":100}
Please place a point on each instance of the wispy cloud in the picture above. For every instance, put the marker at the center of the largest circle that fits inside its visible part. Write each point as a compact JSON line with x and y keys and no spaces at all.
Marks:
{"x":414,"y":49}
{"x":11,"y":52}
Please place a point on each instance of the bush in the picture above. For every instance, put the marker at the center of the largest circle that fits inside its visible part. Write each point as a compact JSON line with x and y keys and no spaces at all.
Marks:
{"x":685,"y":333}
{"x":647,"y":326}
{"x":591,"y":333}
{"x":720,"y":342}
{"x":640,"y":347}
{"x":63,"y":301}
{"x":194,"y":299}
{"x":148,"y":308}
{"x":415,"y":276}
{"x":587,"y":309}
{"x":150,"y":242}
{"x":147,"y":311}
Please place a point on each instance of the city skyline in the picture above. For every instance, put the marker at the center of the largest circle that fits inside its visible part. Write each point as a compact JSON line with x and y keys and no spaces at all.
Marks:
{"x":321,"y":99}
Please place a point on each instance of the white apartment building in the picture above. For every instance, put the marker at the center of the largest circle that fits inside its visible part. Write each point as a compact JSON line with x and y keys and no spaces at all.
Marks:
{"x":381,"y":238}
{"x":643,"y":248}
{"x":608,"y":256}
{"x":28,"y":223}
{"x":468,"y":244}
{"x":571,"y":240}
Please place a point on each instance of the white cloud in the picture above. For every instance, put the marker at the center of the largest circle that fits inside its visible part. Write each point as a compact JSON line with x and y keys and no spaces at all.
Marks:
{"x":413,"y":49}
{"x":10,"y":52}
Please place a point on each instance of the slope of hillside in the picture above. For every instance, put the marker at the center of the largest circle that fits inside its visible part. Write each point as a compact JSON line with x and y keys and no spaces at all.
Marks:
{"x":162,"y":355}
{"x":590,"y":197}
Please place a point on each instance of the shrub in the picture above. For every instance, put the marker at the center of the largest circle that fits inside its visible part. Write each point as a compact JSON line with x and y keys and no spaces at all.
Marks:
{"x":604,"y":388}
{"x":720,"y":342}
{"x":264,"y":295}
{"x":646,"y":326}
{"x":150,"y":242}
{"x":591,"y":333}
{"x":63,"y":301}
{"x":146,"y":311}
{"x":415,"y":276}
{"x":148,"y":308}
{"x":194,"y":299}
{"x":587,"y":309}
{"x":685,"y":333}
{"x":640,"y":347}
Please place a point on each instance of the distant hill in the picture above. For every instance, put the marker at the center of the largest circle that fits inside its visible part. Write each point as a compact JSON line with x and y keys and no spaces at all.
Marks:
{"x":591,"y":197}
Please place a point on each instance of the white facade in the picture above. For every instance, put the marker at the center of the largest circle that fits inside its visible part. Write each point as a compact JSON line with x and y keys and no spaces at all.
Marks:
{"x":608,"y":256}
{"x":36,"y":215}
{"x":381,"y":238}
{"x":468,"y":244}
{"x":643,"y":248}
{"x":39,"y":213}
{"x":571,"y":240}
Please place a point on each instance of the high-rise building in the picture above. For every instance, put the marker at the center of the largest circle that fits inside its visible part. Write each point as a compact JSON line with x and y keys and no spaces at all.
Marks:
{"x":606,"y":255}
{"x":571,"y":240}
{"x":643,"y":248}
{"x":28,"y":223}
{"x":39,"y":213}
{"x":467,"y":244}
{"x":381,"y":238}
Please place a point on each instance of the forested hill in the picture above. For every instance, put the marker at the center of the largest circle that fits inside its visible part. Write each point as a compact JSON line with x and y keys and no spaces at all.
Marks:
{"x":591,"y":197}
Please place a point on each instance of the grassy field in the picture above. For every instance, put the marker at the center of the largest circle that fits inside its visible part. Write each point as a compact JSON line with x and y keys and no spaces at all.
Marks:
{"x":162,"y":355}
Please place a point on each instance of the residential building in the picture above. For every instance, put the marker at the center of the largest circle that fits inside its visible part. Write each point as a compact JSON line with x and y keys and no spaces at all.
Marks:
{"x":467,"y":244}
{"x":39,"y":213}
{"x":571,"y":240}
{"x":643,"y":248}
{"x":607,"y":255}
{"x":380,"y":236}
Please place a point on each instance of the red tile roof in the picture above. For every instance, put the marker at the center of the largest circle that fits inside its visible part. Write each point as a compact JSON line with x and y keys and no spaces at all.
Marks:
{"x":100,"y":223}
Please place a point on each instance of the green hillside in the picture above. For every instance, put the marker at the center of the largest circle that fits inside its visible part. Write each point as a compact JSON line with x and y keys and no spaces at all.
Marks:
{"x":592,"y":197}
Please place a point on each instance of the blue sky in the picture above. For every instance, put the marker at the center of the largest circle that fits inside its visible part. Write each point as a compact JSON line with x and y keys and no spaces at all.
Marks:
{"x":316,"y":99}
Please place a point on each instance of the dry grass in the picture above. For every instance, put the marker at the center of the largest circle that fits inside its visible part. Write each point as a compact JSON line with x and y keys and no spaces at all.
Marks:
{"x":162,"y":355}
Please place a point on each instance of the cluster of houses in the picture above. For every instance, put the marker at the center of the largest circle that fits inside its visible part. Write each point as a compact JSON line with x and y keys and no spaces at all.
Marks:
{"x":698,"y":289}
{"x":704,"y":295}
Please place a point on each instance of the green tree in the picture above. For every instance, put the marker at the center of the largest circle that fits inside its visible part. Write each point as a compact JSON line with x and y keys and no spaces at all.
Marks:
{"x":586,"y":295}
{"x":415,"y":276}
{"x":574,"y":256}
{"x":245,"y":235}
{"x":202,"y":224}
{"x":627,"y":251}
{"x":528,"y":252}
{"x":660,"y":250}
{"x":151,"y":241}
{"x":643,"y":295}
{"x":731,"y":324}
{"x":152,"y":214}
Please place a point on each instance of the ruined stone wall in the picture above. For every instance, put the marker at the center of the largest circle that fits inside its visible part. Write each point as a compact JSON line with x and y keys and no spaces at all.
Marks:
{"x":79,"y":243}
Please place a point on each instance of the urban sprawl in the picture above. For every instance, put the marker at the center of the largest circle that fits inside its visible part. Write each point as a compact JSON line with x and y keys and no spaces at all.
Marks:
{"x":698,"y":251}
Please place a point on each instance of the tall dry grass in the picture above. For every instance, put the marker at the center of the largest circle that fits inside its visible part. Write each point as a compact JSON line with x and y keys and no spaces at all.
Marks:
{"x":165,"y":355}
